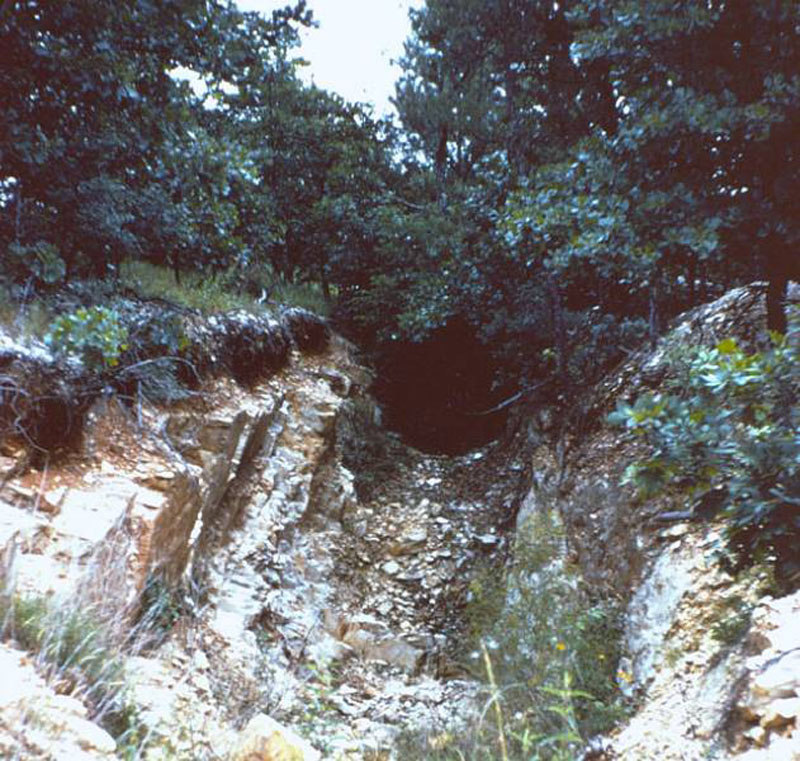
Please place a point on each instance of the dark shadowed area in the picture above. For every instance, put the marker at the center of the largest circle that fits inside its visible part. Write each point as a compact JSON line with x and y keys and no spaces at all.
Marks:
{"x":436,"y":393}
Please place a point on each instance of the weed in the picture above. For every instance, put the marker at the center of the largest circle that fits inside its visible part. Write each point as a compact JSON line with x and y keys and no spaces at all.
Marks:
{"x":544,"y":624}
{"x":161,"y":608}
{"x":22,"y":314}
{"x":367,"y":450}
{"x":222,"y":291}
{"x":207,"y":293}
{"x":320,"y":716}
{"x":728,"y":418}
{"x":304,"y":295}
{"x":95,"y":334}
{"x":733,"y":623}
{"x":550,"y":655}
{"x":75,"y":651}
{"x":673,"y":655}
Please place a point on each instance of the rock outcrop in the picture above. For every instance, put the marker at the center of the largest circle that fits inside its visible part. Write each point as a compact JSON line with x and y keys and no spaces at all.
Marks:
{"x":281,"y":579}
{"x":710,"y":664}
{"x":223,"y":541}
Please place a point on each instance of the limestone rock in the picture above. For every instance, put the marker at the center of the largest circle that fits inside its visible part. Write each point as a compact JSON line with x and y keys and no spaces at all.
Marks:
{"x":264,"y":739}
{"x":409,"y":543}
{"x":779,"y":679}
{"x":35,"y":722}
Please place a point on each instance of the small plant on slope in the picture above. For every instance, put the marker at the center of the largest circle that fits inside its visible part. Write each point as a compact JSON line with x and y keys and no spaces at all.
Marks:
{"x":94,"y":334}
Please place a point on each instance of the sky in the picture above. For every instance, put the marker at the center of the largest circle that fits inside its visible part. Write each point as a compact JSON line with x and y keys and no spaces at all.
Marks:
{"x":352,"y":49}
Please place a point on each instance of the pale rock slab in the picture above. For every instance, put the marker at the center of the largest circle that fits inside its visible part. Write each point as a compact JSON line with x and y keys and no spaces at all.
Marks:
{"x":264,"y":739}
{"x":35,"y":722}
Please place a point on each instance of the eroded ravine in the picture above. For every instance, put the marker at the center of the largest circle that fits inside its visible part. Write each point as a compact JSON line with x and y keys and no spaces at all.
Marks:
{"x":297,"y":562}
{"x":344,"y":612}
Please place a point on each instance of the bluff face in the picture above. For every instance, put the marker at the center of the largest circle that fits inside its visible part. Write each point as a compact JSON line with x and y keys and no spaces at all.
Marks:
{"x":255,"y":552}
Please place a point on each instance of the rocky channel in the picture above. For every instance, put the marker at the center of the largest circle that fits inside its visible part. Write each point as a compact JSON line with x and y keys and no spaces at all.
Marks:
{"x":324,"y":598}
{"x":287,"y":580}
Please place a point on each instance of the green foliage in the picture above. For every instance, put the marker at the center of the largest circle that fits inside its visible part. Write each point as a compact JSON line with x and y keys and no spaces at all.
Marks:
{"x":223,"y":291}
{"x":93,"y":334}
{"x":160,"y":608}
{"x":606,"y":165}
{"x":40,"y":260}
{"x":730,"y":418}
{"x":548,"y":653}
{"x":320,"y":715}
{"x":733,"y":622}
{"x":568,"y":177}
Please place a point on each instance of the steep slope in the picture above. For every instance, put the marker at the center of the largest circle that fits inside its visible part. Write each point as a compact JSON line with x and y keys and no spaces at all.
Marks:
{"x":267,"y":564}
{"x":711,"y":658}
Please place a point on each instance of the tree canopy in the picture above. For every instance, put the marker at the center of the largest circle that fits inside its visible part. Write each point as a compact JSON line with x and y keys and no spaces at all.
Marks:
{"x":562,"y":177}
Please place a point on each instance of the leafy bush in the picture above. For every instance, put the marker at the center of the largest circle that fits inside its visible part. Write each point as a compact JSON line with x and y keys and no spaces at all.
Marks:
{"x":156,"y":357}
{"x":94,"y":334}
{"x":733,"y":622}
{"x":729,"y":418}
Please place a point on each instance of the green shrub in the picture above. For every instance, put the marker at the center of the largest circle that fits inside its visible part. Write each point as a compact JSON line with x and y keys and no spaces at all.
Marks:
{"x":94,"y":334}
{"x":729,"y":419}
{"x":733,"y":622}
{"x":158,"y":348}
{"x":161,"y":608}
{"x":367,"y":450}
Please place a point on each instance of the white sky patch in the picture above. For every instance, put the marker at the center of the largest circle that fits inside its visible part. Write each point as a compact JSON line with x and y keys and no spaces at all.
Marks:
{"x":351,"y":51}
{"x":200,"y":88}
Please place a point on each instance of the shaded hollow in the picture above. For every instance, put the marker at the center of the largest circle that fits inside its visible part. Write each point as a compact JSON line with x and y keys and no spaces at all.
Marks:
{"x":433,"y":393}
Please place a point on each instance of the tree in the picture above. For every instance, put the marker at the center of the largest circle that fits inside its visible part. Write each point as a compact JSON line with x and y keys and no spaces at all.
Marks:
{"x":96,"y":136}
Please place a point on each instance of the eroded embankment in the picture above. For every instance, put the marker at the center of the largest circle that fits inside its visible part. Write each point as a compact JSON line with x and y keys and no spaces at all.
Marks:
{"x":277,"y":581}
{"x":711,"y":656}
{"x":279,"y":558}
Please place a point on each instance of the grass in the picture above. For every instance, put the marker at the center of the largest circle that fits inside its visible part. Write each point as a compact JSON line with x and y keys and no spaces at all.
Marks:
{"x":548,"y":654}
{"x":80,"y":646}
{"x":25,"y":314}
{"x":220,"y":292}
{"x":196,"y":290}
{"x":74,"y":649}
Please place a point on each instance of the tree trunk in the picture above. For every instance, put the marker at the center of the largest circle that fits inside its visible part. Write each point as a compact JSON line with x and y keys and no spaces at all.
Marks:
{"x":779,"y":269}
{"x":654,"y":321}
{"x":18,"y":214}
{"x":441,"y":166}
{"x":559,"y":330}
{"x":691,"y":275}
